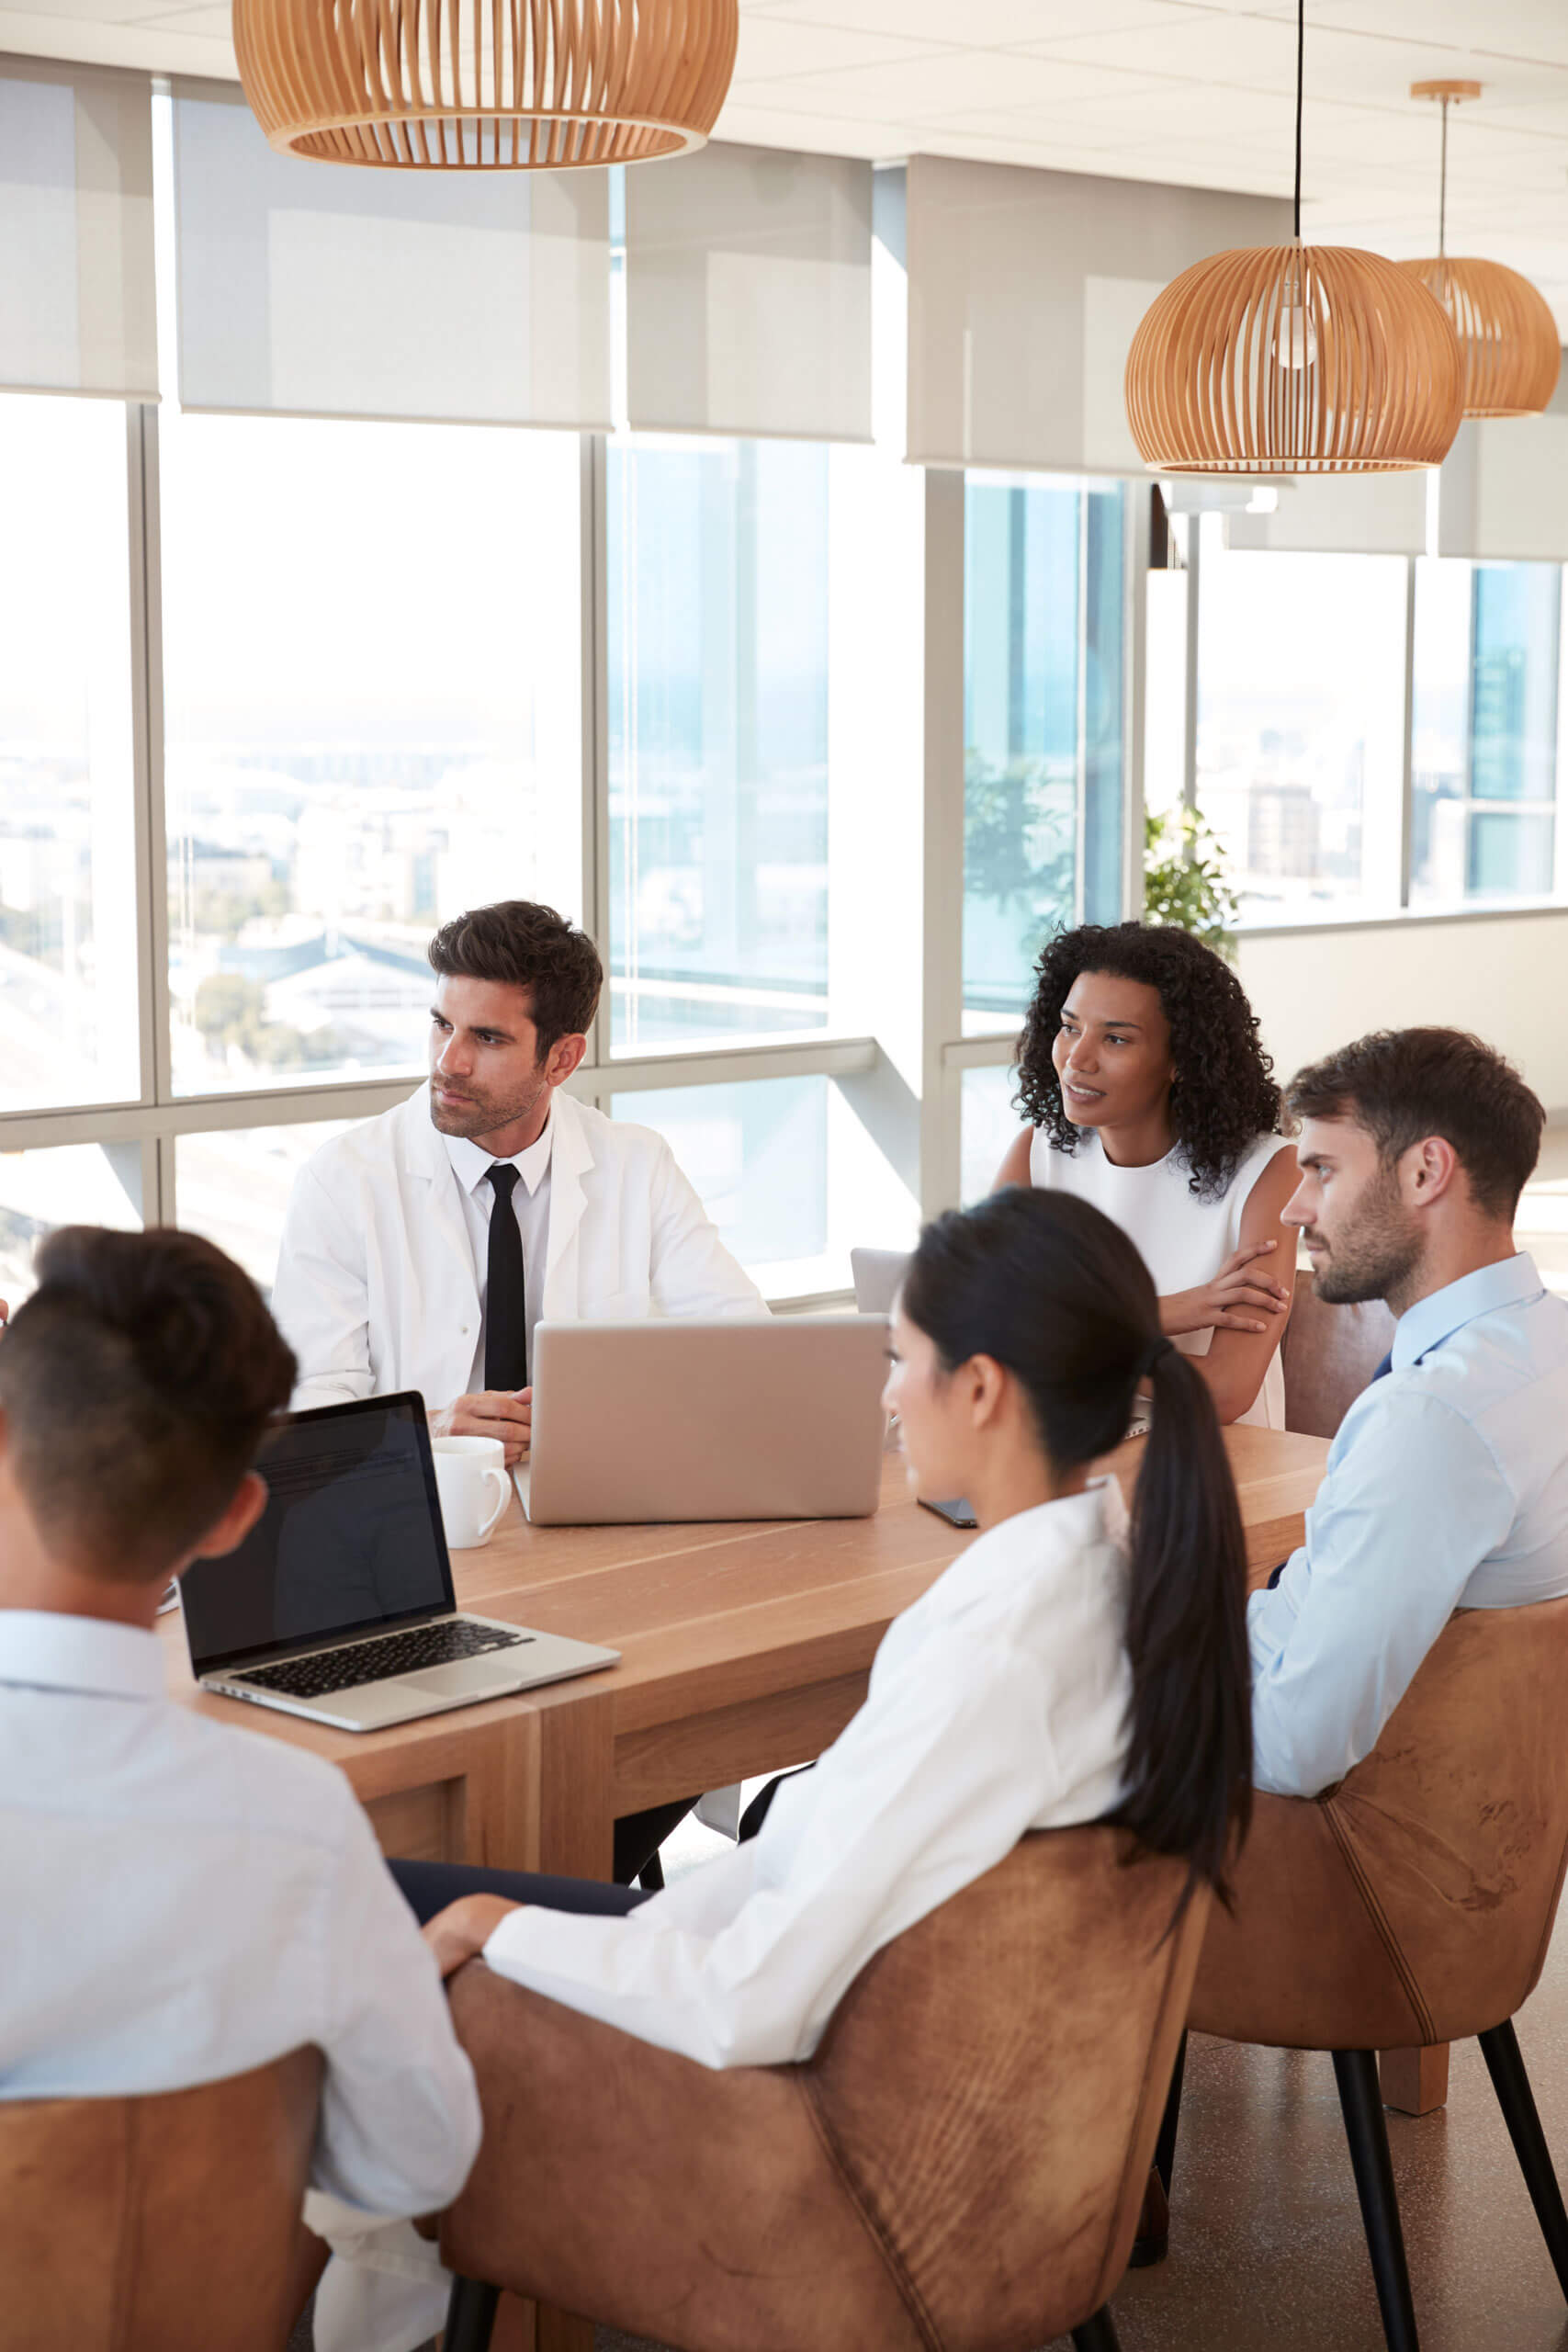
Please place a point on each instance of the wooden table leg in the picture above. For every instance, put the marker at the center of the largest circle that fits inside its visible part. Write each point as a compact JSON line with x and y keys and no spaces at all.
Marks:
{"x":571,"y":1776}
{"x":1415,"y":2081}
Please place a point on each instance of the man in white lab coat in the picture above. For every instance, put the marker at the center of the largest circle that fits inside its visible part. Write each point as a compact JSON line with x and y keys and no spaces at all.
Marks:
{"x":399,"y":1267}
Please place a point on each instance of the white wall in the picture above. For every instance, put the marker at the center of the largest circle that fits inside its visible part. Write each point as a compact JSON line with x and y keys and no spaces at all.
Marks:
{"x":1503,"y":977}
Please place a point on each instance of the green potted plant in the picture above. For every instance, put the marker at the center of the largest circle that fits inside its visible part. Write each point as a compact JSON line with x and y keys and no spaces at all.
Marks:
{"x":1185,"y":878}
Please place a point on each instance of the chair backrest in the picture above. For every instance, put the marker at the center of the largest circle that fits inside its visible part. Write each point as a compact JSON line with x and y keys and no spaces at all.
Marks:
{"x":1328,"y":1355}
{"x":960,"y":2163}
{"x":1459,"y":1817}
{"x":994,"y":2082}
{"x":167,"y":2223}
{"x":1413,"y":1902}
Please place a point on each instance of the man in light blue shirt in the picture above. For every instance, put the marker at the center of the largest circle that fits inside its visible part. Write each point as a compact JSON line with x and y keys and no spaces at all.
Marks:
{"x":183,"y":1900}
{"x":1447,"y":1485}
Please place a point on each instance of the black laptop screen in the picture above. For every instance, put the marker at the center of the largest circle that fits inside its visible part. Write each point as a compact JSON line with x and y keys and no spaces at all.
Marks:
{"x":351,"y":1538}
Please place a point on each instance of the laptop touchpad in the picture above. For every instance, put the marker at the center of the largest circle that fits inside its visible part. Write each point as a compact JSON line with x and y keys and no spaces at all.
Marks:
{"x":467,"y":1677}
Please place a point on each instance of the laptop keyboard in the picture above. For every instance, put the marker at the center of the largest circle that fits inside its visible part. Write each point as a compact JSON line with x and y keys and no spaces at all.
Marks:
{"x":388,"y":1654}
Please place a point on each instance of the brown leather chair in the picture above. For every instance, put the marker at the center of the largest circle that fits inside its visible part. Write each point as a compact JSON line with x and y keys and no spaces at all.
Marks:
{"x":1413,"y":1904}
{"x":1327,"y":1356}
{"x":957,"y":2169}
{"x":169,"y":2223}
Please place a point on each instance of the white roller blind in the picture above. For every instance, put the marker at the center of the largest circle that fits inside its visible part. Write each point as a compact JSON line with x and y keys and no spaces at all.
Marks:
{"x":1503,"y":494}
{"x":1025,"y":291}
{"x":748,"y":295}
{"x":308,"y":289}
{"x":1342,"y":515}
{"x":76,"y":313}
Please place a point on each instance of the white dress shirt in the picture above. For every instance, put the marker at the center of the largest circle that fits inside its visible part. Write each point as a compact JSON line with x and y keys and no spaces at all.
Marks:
{"x":530,"y":1205}
{"x":1447,"y":1487}
{"x":998,"y":1703}
{"x":376,"y":1288}
{"x":184,"y":1902}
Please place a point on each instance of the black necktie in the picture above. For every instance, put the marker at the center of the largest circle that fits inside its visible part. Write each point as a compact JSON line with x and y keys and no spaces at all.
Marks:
{"x":506,"y":1311}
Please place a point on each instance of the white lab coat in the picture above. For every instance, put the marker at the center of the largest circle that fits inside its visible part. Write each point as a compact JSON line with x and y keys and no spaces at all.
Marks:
{"x":375,"y":1287}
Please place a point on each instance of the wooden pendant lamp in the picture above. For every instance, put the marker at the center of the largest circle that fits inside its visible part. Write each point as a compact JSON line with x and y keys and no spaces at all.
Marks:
{"x":486,"y":84}
{"x":1506,"y":334}
{"x":1294,"y":360}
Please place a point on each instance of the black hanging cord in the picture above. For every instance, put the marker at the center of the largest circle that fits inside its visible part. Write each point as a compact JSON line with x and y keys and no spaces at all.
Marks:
{"x":1301,"y":55}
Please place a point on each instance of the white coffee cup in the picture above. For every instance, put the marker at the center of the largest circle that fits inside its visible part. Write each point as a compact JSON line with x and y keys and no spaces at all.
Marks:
{"x":467,"y":1468}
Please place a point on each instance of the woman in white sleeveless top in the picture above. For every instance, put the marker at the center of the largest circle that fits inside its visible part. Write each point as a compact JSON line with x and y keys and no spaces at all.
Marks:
{"x":1148,"y":1095}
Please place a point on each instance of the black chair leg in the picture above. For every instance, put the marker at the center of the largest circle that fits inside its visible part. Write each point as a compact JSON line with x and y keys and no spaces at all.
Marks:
{"x":470,"y":2317}
{"x":1165,"y":2146}
{"x":1500,"y":2048}
{"x":1098,"y":2334}
{"x":650,"y":1878}
{"x":1360,"y":2101}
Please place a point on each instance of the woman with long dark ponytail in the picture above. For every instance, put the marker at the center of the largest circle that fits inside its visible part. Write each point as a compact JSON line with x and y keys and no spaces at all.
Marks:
{"x":1063,"y":1668}
{"x":1037,"y":1301}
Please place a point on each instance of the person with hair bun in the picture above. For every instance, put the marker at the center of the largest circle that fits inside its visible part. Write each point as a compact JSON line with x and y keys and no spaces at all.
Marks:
{"x":1147,"y":1092}
{"x":1069,"y":1666}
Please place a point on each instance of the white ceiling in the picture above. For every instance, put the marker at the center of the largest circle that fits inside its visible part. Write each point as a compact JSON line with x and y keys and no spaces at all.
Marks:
{"x":1197,"y":92}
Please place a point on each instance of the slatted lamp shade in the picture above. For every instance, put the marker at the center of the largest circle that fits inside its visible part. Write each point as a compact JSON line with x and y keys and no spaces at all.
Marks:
{"x":486,"y":84}
{"x":1508,"y":337}
{"x":1293,"y":360}
{"x":1506,"y":334}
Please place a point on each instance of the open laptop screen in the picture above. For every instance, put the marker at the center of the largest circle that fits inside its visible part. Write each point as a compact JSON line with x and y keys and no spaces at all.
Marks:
{"x":351,"y":1539}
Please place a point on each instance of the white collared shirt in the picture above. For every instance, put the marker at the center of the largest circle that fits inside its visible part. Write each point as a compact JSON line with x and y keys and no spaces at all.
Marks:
{"x":182,"y":1901}
{"x":998,"y":1703}
{"x":531,"y":1205}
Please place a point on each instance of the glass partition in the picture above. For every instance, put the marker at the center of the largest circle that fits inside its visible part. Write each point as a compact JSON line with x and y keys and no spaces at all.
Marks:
{"x":1043,"y":725}
{"x":1484,"y":739}
{"x":69,"y":1021}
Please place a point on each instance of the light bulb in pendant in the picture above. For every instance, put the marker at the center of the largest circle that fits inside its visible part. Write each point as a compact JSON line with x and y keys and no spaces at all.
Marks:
{"x":1295,"y":343}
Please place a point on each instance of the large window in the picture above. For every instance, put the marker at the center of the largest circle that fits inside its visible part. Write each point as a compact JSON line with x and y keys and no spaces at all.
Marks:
{"x":787,"y":1169}
{"x":234,"y":1185}
{"x":1043,"y":728}
{"x":824,"y":747}
{"x":1484,"y":765}
{"x":990,"y":1126}
{"x":68,"y":978}
{"x":1301,"y":725}
{"x":373,"y":721}
{"x":72,"y":1183}
{"x":718,"y":653}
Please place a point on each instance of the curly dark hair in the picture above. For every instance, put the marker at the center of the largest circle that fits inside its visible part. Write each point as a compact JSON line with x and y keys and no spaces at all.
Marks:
{"x":525,"y":946}
{"x":1224,"y":1096}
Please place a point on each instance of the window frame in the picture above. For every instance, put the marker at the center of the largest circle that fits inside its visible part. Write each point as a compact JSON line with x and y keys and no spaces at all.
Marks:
{"x":905,"y":1084}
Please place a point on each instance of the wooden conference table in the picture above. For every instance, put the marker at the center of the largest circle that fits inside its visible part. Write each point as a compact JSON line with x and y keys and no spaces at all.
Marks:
{"x":745,"y":1648}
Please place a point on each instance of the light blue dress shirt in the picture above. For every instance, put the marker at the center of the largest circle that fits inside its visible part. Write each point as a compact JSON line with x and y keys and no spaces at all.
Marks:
{"x":183,"y":1900}
{"x":1447,"y":1489}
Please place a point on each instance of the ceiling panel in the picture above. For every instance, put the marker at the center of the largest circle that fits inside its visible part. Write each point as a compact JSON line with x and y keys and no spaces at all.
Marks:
{"x":1196,"y":92}
{"x":775,"y":46}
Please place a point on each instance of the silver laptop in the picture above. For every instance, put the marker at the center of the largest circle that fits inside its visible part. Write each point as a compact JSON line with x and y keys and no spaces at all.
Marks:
{"x":339,"y":1603}
{"x":876,"y":1274}
{"x":775,"y":1417}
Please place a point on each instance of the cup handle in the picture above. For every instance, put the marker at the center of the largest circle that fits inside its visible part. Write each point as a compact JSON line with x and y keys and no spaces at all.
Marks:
{"x":504,"y":1483}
